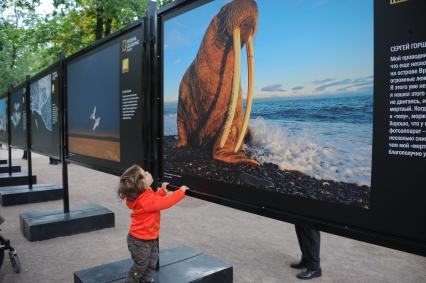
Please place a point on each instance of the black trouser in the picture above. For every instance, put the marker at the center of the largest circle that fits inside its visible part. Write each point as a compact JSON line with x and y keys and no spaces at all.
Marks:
{"x":309,"y":242}
{"x":145,"y":256}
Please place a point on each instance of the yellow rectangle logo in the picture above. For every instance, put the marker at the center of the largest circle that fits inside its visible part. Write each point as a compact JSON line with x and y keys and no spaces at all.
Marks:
{"x":125,"y":65}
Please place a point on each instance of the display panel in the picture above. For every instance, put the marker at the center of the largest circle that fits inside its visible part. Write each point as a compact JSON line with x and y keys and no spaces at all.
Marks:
{"x":18,"y":118}
{"x":104,"y":104}
{"x":3,"y":121}
{"x":283,"y":105}
{"x":45,"y":115}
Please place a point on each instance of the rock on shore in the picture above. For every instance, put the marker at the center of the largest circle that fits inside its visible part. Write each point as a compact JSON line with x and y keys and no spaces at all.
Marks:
{"x":268,"y":176}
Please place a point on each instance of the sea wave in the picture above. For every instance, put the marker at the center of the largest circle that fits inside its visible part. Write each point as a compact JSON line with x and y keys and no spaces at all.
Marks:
{"x":329,"y":152}
{"x":326,"y":151}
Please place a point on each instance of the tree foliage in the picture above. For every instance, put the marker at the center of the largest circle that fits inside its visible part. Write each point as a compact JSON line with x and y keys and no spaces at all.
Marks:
{"x":18,"y":47}
{"x":30,"y":42}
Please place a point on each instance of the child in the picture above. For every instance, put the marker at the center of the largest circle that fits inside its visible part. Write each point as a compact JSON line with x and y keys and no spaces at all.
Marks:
{"x":143,"y":233}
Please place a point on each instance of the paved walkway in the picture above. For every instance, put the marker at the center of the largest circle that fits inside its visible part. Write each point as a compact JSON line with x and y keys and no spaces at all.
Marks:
{"x":260,"y":249}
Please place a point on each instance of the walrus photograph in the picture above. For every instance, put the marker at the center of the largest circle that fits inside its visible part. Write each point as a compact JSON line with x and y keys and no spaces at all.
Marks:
{"x":270,"y":95}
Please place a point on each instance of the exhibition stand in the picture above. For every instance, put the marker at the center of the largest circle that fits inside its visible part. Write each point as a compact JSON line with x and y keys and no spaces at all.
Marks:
{"x":15,"y":179}
{"x":7,"y":167}
{"x":181,"y":264}
{"x":4,"y":168}
{"x":21,"y":188}
{"x":3,"y":161}
{"x":177,"y":265}
{"x":12,"y":177}
{"x":43,"y":225}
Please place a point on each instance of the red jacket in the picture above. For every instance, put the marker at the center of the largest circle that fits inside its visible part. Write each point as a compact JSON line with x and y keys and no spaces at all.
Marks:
{"x":146,"y":212}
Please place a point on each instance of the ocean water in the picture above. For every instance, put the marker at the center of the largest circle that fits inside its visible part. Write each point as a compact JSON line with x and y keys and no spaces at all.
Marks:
{"x":329,"y":138}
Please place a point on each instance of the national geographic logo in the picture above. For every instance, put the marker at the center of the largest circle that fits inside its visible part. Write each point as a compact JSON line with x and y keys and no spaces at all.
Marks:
{"x":124,"y":46}
{"x":393,"y":2}
{"x":127,"y":45}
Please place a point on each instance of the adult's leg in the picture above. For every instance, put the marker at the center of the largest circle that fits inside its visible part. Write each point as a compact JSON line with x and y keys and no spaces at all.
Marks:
{"x":311,"y":242}
{"x":301,"y":240}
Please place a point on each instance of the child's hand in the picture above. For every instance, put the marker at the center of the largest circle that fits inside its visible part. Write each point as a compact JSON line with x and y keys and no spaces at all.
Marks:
{"x":164,"y":186}
{"x":184,"y":188}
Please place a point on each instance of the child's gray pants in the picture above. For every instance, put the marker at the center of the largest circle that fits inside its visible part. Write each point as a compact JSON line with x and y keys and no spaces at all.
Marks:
{"x":145,"y":256}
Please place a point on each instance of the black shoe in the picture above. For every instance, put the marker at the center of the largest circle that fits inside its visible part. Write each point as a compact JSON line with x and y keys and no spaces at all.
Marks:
{"x":298,"y":265}
{"x":309,"y":274}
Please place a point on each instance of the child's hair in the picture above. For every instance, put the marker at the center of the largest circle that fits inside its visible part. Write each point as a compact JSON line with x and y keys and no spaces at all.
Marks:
{"x":131,"y":183}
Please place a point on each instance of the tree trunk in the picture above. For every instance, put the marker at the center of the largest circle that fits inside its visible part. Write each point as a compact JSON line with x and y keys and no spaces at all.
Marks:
{"x":12,"y":63}
{"x":108,"y":26}
{"x":14,"y":51}
{"x":99,"y":23}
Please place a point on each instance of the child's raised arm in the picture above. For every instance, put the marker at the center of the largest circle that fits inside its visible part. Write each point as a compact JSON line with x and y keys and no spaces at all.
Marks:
{"x":164,"y":202}
{"x":163,"y":190}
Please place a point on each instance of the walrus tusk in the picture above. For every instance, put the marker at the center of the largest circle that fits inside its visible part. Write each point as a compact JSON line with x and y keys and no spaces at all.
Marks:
{"x":235,"y":87}
{"x":250,"y":63}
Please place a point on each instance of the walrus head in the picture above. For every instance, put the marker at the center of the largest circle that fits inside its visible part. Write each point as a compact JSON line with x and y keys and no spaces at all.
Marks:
{"x":238,"y":23}
{"x":240,"y":14}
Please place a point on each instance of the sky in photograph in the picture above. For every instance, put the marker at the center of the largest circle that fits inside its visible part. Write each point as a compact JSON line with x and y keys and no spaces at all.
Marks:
{"x":301,"y":48}
{"x":94,"y":82}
